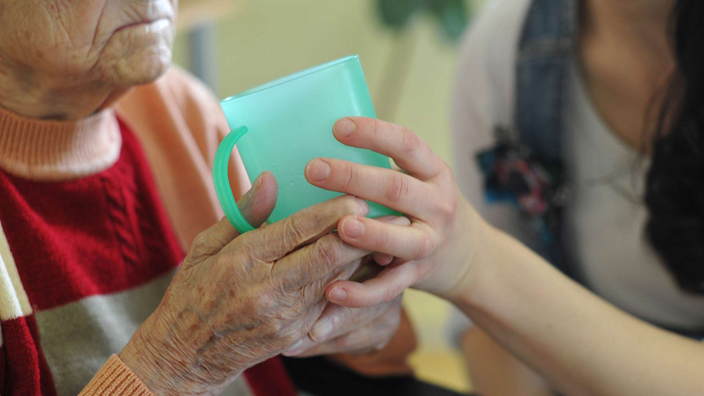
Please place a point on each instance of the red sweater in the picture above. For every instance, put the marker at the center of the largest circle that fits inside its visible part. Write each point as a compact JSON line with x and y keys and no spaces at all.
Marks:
{"x":88,"y":260}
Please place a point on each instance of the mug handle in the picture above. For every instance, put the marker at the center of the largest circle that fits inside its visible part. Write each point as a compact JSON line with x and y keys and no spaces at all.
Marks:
{"x":222,"y":181}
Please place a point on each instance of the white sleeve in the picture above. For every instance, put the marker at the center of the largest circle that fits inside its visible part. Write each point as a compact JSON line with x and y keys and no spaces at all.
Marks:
{"x":483,"y":98}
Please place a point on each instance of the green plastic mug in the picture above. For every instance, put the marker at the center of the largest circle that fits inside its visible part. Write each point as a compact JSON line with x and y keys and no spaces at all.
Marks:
{"x":282,"y":125}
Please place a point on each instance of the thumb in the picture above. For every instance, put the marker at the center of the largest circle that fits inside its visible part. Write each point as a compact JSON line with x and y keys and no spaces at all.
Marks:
{"x":256,"y":206}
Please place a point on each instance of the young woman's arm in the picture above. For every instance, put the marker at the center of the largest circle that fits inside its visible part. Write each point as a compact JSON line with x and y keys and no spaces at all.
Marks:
{"x":483,"y":98}
{"x":584,"y":345}
{"x":494,"y":371}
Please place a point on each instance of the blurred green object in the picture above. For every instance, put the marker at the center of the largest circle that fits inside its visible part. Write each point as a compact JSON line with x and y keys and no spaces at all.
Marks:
{"x":452,"y":15}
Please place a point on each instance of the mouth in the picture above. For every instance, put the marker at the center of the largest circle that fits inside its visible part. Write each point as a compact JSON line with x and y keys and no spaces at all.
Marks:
{"x":148,"y":25}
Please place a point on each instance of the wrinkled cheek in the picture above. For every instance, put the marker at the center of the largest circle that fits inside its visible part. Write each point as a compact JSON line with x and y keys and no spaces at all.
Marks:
{"x":72,"y":24}
{"x":54,"y":36}
{"x":130,"y":62}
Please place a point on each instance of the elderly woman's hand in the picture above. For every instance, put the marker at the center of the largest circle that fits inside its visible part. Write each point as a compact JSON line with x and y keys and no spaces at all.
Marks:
{"x":237,"y":301}
{"x":435,"y":251}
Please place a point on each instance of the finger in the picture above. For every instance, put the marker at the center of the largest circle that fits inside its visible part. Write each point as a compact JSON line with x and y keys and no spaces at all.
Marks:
{"x":324,"y":259}
{"x":256,"y":205}
{"x":277,"y":240}
{"x":386,"y":187}
{"x":303,"y":345}
{"x":305,"y":323}
{"x":358,"y":342}
{"x":408,"y":150}
{"x":388,"y":285}
{"x":383,"y":259}
{"x":395,"y":220}
{"x":366,"y":271}
{"x":410,"y":243}
{"x":337,"y":320}
{"x":369,"y":338}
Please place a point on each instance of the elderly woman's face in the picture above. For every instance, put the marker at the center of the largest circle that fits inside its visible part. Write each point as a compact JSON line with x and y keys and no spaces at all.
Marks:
{"x":67,"y":43}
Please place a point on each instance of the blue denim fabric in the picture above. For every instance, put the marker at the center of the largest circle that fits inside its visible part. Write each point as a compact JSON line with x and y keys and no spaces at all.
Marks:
{"x":548,"y":40}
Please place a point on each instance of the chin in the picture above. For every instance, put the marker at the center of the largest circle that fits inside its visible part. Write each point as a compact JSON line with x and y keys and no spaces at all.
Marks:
{"x":142,"y":68}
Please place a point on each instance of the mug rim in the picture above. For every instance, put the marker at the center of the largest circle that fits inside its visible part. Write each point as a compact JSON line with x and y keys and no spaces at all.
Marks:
{"x":289,"y":78}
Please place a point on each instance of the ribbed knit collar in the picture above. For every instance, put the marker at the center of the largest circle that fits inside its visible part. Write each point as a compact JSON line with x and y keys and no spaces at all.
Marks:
{"x":58,"y":150}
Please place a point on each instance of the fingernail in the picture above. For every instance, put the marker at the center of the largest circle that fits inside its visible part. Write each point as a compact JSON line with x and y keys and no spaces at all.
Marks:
{"x":318,"y":170}
{"x":353,"y":228}
{"x":344,"y":127}
{"x":385,"y":259}
{"x":295,"y":349}
{"x":321,"y":330}
{"x":338,"y":294}
{"x":259,"y":181}
{"x":364,"y":205}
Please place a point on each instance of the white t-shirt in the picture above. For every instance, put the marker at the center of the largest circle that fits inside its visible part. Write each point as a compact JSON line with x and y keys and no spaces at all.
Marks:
{"x":605,"y":221}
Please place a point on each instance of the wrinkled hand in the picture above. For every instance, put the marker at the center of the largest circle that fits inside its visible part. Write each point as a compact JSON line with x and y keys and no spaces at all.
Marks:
{"x":432,"y":253}
{"x":239,"y":300}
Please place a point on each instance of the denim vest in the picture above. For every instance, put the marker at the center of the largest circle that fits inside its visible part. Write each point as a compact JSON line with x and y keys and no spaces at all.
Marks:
{"x":525,"y":168}
{"x":547,"y":44}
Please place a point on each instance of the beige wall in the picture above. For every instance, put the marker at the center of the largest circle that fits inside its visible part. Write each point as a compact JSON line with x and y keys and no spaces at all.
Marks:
{"x":267,"y":39}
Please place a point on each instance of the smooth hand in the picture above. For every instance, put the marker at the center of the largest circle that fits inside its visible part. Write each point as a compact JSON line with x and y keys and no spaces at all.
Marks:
{"x":351,"y":330}
{"x":433,"y":253}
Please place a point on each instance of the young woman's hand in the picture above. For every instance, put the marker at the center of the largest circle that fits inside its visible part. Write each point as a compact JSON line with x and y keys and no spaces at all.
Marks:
{"x":435,"y":251}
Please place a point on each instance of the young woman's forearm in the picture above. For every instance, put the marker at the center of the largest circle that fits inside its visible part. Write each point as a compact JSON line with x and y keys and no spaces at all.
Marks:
{"x":581,"y":343}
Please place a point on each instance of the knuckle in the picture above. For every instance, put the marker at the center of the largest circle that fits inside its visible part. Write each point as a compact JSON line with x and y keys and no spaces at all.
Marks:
{"x":273,"y":327}
{"x":398,"y":189}
{"x":351,"y":177}
{"x":327,"y":250}
{"x":343,"y":319}
{"x":388,"y":294}
{"x":263,"y":302}
{"x":448,"y":208}
{"x":288,"y":336}
{"x":294,"y":230}
{"x":381,"y":238}
{"x":200,"y":246}
{"x":375,"y":130}
{"x":423,"y":248}
{"x":410,"y":143}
